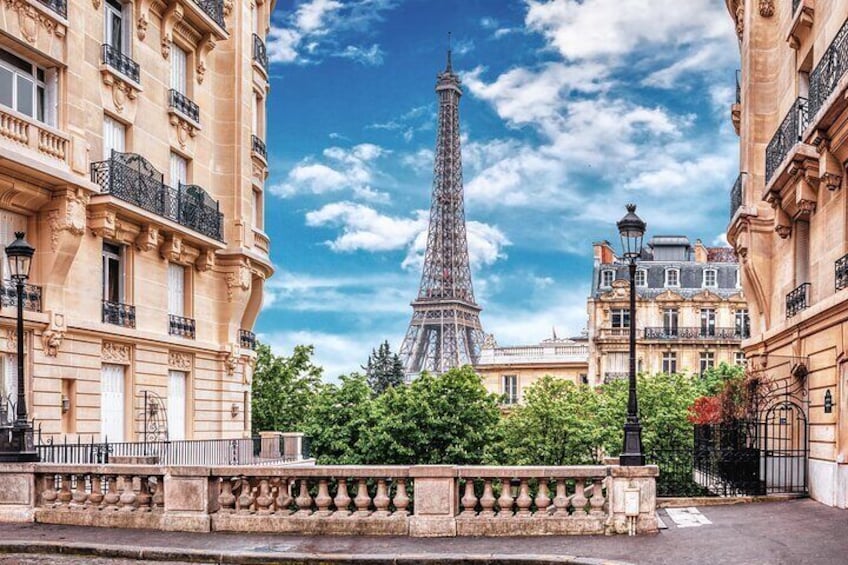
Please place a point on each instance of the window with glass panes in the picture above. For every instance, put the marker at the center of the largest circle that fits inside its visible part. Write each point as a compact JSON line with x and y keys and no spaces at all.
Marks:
{"x":670,"y":319}
{"x":669,"y":362}
{"x":710,"y":278}
{"x":739,"y":358}
{"x":607,"y":277}
{"x":708,"y":322}
{"x":743,"y":323}
{"x":620,"y":318}
{"x":707,"y":361}
{"x":641,"y":277}
{"x":509,"y":388}
{"x":113,"y":273}
{"x":672,"y":277}
{"x":27,"y":88}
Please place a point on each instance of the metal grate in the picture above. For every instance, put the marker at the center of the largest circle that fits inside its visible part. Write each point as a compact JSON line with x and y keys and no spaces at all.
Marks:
{"x":693,"y":333}
{"x":736,"y":196}
{"x":831,"y":68}
{"x":258,"y":147}
{"x":247,"y":339}
{"x":183,"y":327}
{"x":841,"y":268}
{"x":31,"y":295}
{"x":787,"y":135}
{"x":120,"y":62}
{"x":798,"y":300}
{"x":183,"y":104}
{"x":58,"y":6}
{"x":214,"y":9}
{"x":118,"y":314}
{"x":260,"y":54}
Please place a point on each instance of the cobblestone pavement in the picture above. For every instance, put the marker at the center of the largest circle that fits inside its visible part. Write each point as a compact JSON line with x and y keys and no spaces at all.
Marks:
{"x":796,"y":532}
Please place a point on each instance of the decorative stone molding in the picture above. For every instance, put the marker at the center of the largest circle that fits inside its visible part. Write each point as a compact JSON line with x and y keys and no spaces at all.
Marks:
{"x":11,"y":340}
{"x":231,"y":359}
{"x":806,"y":208}
{"x":142,"y":19}
{"x":172,"y":248}
{"x":180,"y":360}
{"x":69,"y":217}
{"x":740,"y":20}
{"x":186,"y":129}
{"x":228,"y":8}
{"x":118,"y":353}
{"x":103,"y":223}
{"x":205,"y":260}
{"x":172,"y":14}
{"x":766,"y":8}
{"x":31,"y":21}
{"x":240,"y":279}
{"x":782,"y":223}
{"x":830,"y":168}
{"x":206,"y":44}
{"x":51,"y":338}
{"x":122,"y":89}
{"x":148,"y":238}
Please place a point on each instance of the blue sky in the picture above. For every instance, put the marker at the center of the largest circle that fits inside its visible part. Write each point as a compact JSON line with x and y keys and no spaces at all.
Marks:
{"x":571,"y":109}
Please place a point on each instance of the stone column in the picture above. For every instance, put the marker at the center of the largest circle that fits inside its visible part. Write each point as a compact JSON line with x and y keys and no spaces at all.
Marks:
{"x":629,"y":485}
{"x":17,"y":492}
{"x":436,"y":501}
{"x":292,"y":445}
{"x":188,"y":499}
{"x":270,"y":445}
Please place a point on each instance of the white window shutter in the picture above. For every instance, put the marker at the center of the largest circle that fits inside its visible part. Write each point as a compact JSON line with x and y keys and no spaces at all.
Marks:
{"x":179,"y":170}
{"x":51,"y":102}
{"x":176,"y":289}
{"x":112,"y":403}
{"x":178,"y":69}
{"x":176,"y":405}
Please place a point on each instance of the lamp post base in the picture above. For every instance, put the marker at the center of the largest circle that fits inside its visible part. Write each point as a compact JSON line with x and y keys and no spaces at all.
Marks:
{"x":16,"y":444}
{"x":632,"y":456}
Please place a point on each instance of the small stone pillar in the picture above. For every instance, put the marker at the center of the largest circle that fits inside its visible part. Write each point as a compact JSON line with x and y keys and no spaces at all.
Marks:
{"x":189,"y":498}
{"x":292,"y":445}
{"x":17,"y":492}
{"x":270,"y":445}
{"x":436,"y":501}
{"x":628,"y":483}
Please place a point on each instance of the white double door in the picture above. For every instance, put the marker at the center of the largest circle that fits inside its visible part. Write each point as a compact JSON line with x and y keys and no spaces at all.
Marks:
{"x":112,"y":403}
{"x":176,"y":405}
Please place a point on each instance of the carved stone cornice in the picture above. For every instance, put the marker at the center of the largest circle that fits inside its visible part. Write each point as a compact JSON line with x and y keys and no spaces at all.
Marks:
{"x":32,"y":20}
{"x":766,"y":8}
{"x":117,"y":353}
{"x":206,"y":45}
{"x":172,"y":248}
{"x":148,"y":238}
{"x":172,"y":14}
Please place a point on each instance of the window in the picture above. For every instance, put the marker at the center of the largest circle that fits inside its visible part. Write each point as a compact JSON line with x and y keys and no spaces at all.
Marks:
{"x":179,"y":65}
{"x":641,"y":277}
{"x":708,"y":322}
{"x":258,"y":115}
{"x":710,"y":278}
{"x":672,"y":277}
{"x":113,"y":273}
{"x":584,"y":379}
{"x":114,"y":136}
{"x":9,"y":224}
{"x":670,"y":319}
{"x":607,"y":277}
{"x":620,"y":318}
{"x":117,"y":28}
{"x":801,"y":236}
{"x":28,"y":88}
{"x":707,"y":361}
{"x":669,"y":362}
{"x":112,"y":403}
{"x":9,"y":390}
{"x":258,"y":214}
{"x":739,"y":358}
{"x":176,"y":290}
{"x":509,"y":388}
{"x":738,"y":278}
{"x":179,"y":170}
{"x":176,"y":405}
{"x":743,"y":324}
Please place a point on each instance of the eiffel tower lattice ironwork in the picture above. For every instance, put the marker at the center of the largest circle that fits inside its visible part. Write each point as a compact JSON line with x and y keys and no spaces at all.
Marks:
{"x":445,"y":330}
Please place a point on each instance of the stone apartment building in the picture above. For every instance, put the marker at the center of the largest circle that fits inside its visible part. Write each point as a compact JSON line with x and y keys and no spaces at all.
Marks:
{"x":132,"y":154}
{"x":690,"y":310}
{"x":789,"y":218}
{"x":510,"y":370}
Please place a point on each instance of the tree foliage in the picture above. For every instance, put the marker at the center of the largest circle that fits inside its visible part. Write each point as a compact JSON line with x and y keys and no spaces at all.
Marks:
{"x":384,"y":369}
{"x":283,"y":388}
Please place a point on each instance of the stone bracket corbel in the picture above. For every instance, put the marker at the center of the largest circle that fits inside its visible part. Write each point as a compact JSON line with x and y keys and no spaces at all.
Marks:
{"x":830,"y":168}
{"x":172,"y":248}
{"x":122,"y":90}
{"x":238,"y":279}
{"x":206,"y":44}
{"x":205,"y":261}
{"x":148,"y":238}
{"x":51,"y":338}
{"x":185,"y":128}
{"x":782,"y":223}
{"x":142,"y":18}
{"x":103,"y":223}
{"x":173,"y":14}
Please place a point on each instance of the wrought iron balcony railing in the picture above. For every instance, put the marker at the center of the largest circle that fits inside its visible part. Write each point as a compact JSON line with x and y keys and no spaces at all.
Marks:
{"x":9,"y":296}
{"x":615,"y":376}
{"x":787,"y":135}
{"x":260,"y":54}
{"x":214,"y":9}
{"x":738,"y":87}
{"x":183,"y":104}
{"x":673,"y":333}
{"x":58,"y":6}
{"x":798,"y":300}
{"x":258,"y":147}
{"x":831,"y":68}
{"x":795,"y":4}
{"x":736,"y":195}
{"x":247,"y":339}
{"x":120,"y":62}
{"x":183,"y":327}
{"x":118,"y":314}
{"x":841,"y":268}
{"x":131,"y":178}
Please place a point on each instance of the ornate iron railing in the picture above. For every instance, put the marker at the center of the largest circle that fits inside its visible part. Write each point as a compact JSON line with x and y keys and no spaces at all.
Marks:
{"x":247,"y":339}
{"x":614,"y":376}
{"x":795,"y":4}
{"x":736,"y":195}
{"x":258,"y":147}
{"x":786,"y":136}
{"x":260,"y":53}
{"x":798,"y":300}
{"x":118,"y":314}
{"x":9,"y":296}
{"x":183,"y":327}
{"x":214,"y":9}
{"x":831,"y":68}
{"x":58,"y":6}
{"x":738,"y":87}
{"x":693,"y":333}
{"x":182,"y":103}
{"x":120,"y":62}
{"x":133,"y":179}
{"x":841,"y":268}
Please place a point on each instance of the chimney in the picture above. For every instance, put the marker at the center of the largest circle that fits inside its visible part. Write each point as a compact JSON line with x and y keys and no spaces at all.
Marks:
{"x":700,"y":252}
{"x":603,"y":252}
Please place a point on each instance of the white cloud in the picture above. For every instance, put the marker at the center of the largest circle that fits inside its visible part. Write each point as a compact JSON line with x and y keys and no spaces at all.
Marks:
{"x":338,"y":354}
{"x":563,"y":309}
{"x":369,"y":56}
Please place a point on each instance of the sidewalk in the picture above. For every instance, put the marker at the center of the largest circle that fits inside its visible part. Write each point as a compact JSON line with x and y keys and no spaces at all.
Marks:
{"x":796,"y":532}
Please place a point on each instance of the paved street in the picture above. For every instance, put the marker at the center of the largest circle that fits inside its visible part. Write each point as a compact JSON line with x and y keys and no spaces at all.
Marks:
{"x":796,"y":532}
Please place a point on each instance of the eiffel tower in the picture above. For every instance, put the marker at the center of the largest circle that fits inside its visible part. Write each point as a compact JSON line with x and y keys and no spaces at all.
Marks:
{"x":445,"y":330}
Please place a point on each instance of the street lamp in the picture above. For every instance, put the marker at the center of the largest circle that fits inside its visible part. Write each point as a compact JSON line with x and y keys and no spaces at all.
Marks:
{"x":632,"y":229}
{"x":16,"y":445}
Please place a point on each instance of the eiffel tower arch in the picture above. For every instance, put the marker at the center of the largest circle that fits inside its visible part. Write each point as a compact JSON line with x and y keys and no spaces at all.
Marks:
{"x":445,"y":330}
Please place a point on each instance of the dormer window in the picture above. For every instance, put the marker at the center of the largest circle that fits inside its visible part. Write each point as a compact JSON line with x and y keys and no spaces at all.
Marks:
{"x":672,"y":277}
{"x":607,"y":277}
{"x":641,"y":277}
{"x":710,"y":278}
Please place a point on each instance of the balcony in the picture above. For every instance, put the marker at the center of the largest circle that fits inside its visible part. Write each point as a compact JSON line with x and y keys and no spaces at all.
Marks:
{"x":841,"y":268}
{"x":118,"y":314}
{"x":257,"y":146}
{"x":680,"y":333}
{"x":183,"y":104}
{"x":9,"y":296}
{"x":247,"y":339}
{"x":131,"y":178}
{"x":120,"y":62}
{"x":798,"y":300}
{"x":736,"y":196}
{"x":787,"y":136}
{"x":615,"y":376}
{"x":214,"y":9}
{"x":58,"y":6}
{"x":37,"y":136}
{"x":260,"y":54}
{"x":736,"y":107}
{"x":827,"y":74}
{"x":182,"y":327}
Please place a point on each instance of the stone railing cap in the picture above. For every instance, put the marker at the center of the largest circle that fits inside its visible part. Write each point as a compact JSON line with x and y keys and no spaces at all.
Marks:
{"x":527,"y":472}
{"x":635,"y":472}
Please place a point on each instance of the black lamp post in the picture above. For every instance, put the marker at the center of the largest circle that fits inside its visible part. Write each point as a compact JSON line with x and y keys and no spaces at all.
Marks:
{"x":632,"y":229}
{"x":17,"y":444}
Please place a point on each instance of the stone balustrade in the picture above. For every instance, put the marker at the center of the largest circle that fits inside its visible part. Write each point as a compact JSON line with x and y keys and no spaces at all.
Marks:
{"x":419,"y":501}
{"x":39,"y":137}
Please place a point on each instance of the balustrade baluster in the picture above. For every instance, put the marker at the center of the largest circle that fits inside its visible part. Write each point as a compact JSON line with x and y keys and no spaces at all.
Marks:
{"x":401,"y":500}
{"x":226,"y":498}
{"x":323,"y":500}
{"x":264,"y":500}
{"x":111,"y":498}
{"x":79,"y":496}
{"x":363,"y":499}
{"x":96,"y":496}
{"x":597,"y":501}
{"x":144,"y":499}
{"x":128,"y":497}
{"x":505,"y":500}
{"x":469,"y":499}
{"x":65,"y":492}
{"x":284,"y":498}
{"x":524,"y":501}
{"x":159,"y":495}
{"x":245,"y":498}
{"x":561,"y":499}
{"x":543,"y":499}
{"x":342,"y":500}
{"x":49,"y":494}
{"x":579,"y":500}
{"x":487,"y":501}
{"x":303,"y":500}
{"x":381,"y":499}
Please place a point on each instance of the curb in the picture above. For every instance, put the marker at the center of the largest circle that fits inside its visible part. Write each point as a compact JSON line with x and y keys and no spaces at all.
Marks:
{"x":260,"y":556}
{"x":678,"y":502}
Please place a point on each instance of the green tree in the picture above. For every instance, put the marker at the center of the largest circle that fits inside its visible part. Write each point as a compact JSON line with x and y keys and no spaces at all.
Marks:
{"x":554,"y":426}
{"x":384,"y":369}
{"x":339,"y":416}
{"x":283,"y":388}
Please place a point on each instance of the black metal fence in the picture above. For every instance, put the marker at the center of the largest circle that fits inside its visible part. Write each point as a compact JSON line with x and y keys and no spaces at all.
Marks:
{"x":832,"y":66}
{"x":841,"y":272}
{"x":58,"y":6}
{"x":182,"y":103}
{"x":9,"y":296}
{"x":183,"y":327}
{"x":120,"y":62}
{"x":260,"y":54}
{"x":680,"y":332}
{"x":258,"y":147}
{"x":118,"y":314}
{"x":787,"y":135}
{"x":214,"y":9}
{"x":247,"y":339}
{"x":798,"y":300}
{"x":736,"y":196}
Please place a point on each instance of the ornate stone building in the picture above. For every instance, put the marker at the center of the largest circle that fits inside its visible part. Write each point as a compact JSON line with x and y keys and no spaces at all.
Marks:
{"x":788,"y":218}
{"x":132,"y":154}
{"x":690,"y":310}
{"x":508,"y":371}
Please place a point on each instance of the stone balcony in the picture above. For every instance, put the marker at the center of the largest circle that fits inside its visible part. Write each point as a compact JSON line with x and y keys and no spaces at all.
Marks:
{"x":42,"y":141}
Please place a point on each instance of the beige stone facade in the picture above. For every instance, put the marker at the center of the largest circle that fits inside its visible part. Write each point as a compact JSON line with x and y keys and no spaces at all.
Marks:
{"x":690,"y":312}
{"x":789,"y":211}
{"x":509,"y":371}
{"x":132,"y":154}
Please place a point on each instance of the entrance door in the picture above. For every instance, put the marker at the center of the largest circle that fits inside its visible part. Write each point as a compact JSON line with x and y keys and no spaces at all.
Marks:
{"x":112,"y":403}
{"x":176,"y":405}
